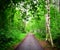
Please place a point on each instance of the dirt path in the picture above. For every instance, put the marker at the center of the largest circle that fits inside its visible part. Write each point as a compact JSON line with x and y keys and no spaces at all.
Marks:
{"x":30,"y":43}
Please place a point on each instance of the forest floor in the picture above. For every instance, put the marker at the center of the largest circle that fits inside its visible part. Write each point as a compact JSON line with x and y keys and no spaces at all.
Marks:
{"x":32,"y":43}
{"x":45,"y":45}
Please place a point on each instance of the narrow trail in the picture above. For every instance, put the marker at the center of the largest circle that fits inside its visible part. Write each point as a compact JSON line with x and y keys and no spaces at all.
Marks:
{"x":30,"y":43}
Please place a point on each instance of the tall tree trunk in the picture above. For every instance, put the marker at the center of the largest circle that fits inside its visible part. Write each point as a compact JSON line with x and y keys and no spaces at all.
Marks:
{"x":56,"y":4}
{"x":59,"y":5}
{"x":48,"y":33}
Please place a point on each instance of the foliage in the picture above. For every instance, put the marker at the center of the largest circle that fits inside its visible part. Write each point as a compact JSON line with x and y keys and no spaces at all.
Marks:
{"x":18,"y":17}
{"x":10,"y":28}
{"x":55,"y":25}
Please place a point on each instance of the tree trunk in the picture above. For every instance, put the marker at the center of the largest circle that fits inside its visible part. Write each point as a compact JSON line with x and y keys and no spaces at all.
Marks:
{"x":48,"y":33}
{"x":59,"y":5}
{"x":56,"y":4}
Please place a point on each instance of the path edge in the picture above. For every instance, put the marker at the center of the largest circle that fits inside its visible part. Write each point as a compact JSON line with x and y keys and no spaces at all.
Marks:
{"x":20,"y":42}
{"x":38,"y":42}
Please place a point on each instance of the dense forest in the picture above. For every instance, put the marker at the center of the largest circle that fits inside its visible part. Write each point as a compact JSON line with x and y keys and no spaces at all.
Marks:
{"x":19,"y":17}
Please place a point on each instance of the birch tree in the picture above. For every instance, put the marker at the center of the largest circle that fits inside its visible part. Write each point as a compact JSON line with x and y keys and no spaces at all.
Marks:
{"x":48,"y":33}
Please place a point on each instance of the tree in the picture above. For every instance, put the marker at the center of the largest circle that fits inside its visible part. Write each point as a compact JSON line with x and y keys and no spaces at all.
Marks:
{"x":48,"y":32}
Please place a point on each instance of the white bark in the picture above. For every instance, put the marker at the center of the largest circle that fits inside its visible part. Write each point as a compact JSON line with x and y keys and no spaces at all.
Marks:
{"x":48,"y":33}
{"x":59,"y":5}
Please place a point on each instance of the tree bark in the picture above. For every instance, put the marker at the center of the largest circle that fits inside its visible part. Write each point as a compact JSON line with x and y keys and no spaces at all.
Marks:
{"x":48,"y":33}
{"x":59,"y":5}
